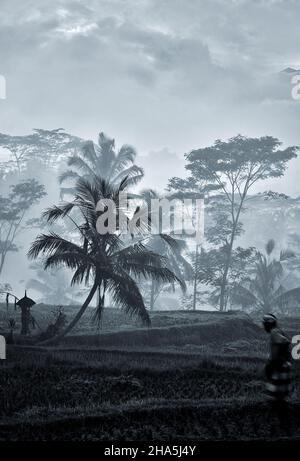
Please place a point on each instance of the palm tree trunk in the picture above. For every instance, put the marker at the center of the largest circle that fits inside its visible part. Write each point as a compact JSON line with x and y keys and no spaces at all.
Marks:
{"x":81,"y":311}
{"x":77,"y":316}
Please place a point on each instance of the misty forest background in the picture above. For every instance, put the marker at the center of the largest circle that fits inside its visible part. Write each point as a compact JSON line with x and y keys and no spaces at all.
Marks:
{"x":50,"y":181}
{"x":137,"y":336}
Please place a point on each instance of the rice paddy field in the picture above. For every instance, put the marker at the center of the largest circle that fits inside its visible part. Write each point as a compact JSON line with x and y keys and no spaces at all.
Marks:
{"x":191,"y":376}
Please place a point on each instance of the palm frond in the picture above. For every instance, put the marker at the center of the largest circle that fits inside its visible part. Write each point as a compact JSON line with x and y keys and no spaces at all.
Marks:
{"x":244,"y":296}
{"x":46,"y":244}
{"x":286,"y":254}
{"x":67,"y":175}
{"x":68,"y":259}
{"x":132,"y":172}
{"x":158,"y":274}
{"x":77,"y":162}
{"x":57,"y":212}
{"x":126,"y":155}
{"x":139,"y":252}
{"x":82,"y":274}
{"x":88,"y":151}
{"x":127,"y":296}
{"x":176,"y":245}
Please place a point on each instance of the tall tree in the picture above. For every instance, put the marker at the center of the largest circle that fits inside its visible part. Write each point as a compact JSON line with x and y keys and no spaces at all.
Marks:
{"x":193,"y":189}
{"x":211,"y":267}
{"x":235,"y":166}
{"x":44,"y":146}
{"x":13,"y":211}
{"x":104,"y":162}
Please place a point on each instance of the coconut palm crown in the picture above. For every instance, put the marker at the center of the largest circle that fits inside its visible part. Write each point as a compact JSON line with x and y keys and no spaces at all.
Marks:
{"x":103,"y":161}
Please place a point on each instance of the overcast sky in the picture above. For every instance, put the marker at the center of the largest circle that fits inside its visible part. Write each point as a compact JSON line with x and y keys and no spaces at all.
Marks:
{"x":164,"y":75}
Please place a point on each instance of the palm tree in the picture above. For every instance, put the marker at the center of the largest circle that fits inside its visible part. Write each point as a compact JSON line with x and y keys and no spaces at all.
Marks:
{"x":163,"y":244}
{"x":267,"y":291}
{"x":104,"y":262}
{"x":172,"y":250}
{"x":103,"y":161}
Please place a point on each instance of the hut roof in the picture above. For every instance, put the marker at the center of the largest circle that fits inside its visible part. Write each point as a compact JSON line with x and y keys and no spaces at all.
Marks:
{"x":25,"y":302}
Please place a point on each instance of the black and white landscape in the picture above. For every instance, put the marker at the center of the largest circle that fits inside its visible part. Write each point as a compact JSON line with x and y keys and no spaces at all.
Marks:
{"x":152,"y":330}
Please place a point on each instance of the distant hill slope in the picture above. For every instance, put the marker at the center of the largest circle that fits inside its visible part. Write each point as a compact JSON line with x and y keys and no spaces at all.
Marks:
{"x":168,"y":328}
{"x":182,"y":328}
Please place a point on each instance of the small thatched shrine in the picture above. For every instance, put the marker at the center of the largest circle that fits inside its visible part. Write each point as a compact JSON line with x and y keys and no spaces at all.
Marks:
{"x":25,"y":305}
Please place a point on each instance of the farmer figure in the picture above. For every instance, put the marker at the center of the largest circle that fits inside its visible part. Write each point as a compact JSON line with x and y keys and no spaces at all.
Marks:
{"x":278,"y":367}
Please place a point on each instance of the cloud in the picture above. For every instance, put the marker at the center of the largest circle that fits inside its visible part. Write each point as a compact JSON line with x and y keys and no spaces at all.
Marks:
{"x":170,"y":165}
{"x":151,"y":73}
{"x":78,"y":29}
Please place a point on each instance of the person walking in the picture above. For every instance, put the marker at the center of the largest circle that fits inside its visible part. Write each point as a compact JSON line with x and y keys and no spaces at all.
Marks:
{"x":278,"y":367}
